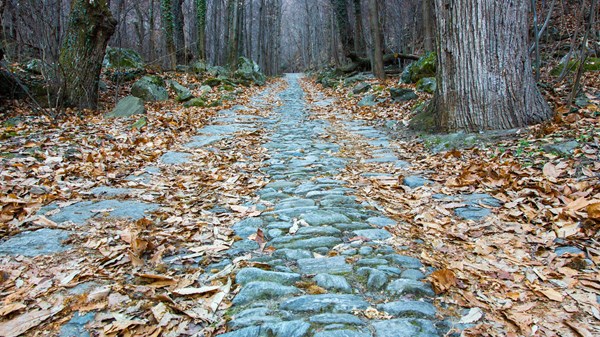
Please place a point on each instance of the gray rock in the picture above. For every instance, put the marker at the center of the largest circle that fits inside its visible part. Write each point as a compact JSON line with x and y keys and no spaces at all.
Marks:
{"x":342,"y":333}
{"x":472,"y":213}
{"x":283,"y":225}
{"x":406,"y":286}
{"x":365,"y":251}
{"x":393,"y":271}
{"x":406,"y":308}
{"x":320,"y":218}
{"x":252,"y":331}
{"x":331,"y":265}
{"x":175,"y":158}
{"x":377,"y":279}
{"x":320,"y":303}
{"x":247,"y":227}
{"x":296,"y":328}
{"x":293,"y":254}
{"x":333,"y":282}
{"x":416,"y":181}
{"x":255,"y":291}
{"x":203,"y":141}
{"x":248,"y":275}
{"x":127,"y":107}
{"x":413,"y":274}
{"x":248,"y":71}
{"x":427,"y":84}
{"x":361,"y":88}
{"x":561,"y":251}
{"x":41,"y":242}
{"x":371,"y":262}
{"x":81,"y":212}
{"x":373,"y":234}
{"x":183,"y":93}
{"x":294,"y":203}
{"x":402,"y":94}
{"x":76,"y":326}
{"x":279,"y":185}
{"x":368,"y":100}
{"x":311,"y":243}
{"x":336,"y":319}
{"x":404,"y":261}
{"x":112,"y":191}
{"x":257,"y":319}
{"x":122,"y":58}
{"x":275,"y":233}
{"x":381,"y":221}
{"x":404,"y":327}
{"x":319,"y":231}
{"x":563,"y":149}
{"x":150,"y":89}
{"x":273,"y":196}
{"x":242,"y":247}
{"x":351,"y":226}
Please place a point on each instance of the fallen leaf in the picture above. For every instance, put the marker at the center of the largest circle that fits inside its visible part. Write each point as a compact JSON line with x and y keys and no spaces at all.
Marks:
{"x":474,"y":315}
{"x":28,"y":320}
{"x":195,"y":291}
{"x":443,"y":280}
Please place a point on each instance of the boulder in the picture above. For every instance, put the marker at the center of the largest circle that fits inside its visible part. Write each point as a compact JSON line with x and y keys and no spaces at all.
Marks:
{"x":427,"y":84}
{"x":128,"y":106}
{"x":424,"y":67}
{"x":368,"y":100}
{"x":122,"y":58}
{"x":150,"y":89}
{"x":197,"y":102}
{"x":402,"y":94}
{"x":361,"y":88}
{"x":198,"y":67}
{"x":218,"y":71}
{"x":183,"y":94}
{"x":249,"y":72}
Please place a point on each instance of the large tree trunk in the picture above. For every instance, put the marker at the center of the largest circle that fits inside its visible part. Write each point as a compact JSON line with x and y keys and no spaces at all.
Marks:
{"x":168,"y":23}
{"x":2,"y":5}
{"x":359,"y":39}
{"x":484,"y":74}
{"x":180,"y":46}
{"x":90,"y":27}
{"x":343,"y":24}
{"x":428,"y":37}
{"x":201,"y":28}
{"x":377,"y":35}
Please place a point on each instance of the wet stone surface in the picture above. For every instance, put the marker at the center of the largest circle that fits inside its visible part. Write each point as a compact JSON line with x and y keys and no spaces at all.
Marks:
{"x":318,"y":251}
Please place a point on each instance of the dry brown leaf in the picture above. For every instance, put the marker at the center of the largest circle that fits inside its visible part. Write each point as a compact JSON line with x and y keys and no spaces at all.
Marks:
{"x":443,"y":280}
{"x":26,"y":321}
{"x":593,"y":211}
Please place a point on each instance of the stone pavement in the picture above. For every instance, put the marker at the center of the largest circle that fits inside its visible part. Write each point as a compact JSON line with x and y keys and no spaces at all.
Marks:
{"x":319,"y":237}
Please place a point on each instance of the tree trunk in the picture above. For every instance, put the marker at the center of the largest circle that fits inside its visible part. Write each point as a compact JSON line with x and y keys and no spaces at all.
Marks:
{"x":169,"y":27}
{"x":90,"y":27}
{"x":343,"y":24}
{"x":2,"y":5}
{"x":484,"y":74}
{"x":428,"y":37}
{"x":201,"y":17}
{"x":359,"y":39}
{"x":178,"y":23}
{"x":377,"y":50}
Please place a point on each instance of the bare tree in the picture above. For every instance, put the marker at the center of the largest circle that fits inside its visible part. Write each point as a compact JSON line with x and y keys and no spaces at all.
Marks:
{"x":377,"y":34}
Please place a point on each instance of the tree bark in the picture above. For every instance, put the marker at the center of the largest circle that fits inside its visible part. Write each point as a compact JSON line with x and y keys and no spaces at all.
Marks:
{"x":428,"y":35}
{"x":484,"y":74}
{"x":343,"y":25}
{"x":377,"y":50}
{"x":201,"y":28}
{"x":169,"y":27}
{"x":359,"y":39}
{"x":180,"y":47}
{"x":2,"y":5}
{"x":90,"y":27}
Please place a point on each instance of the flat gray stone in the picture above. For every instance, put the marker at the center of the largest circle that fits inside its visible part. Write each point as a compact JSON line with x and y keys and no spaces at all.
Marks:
{"x":248,"y":275}
{"x":296,"y":328}
{"x":393,"y":271}
{"x":202,"y":141}
{"x":371,"y":262}
{"x":175,"y":158}
{"x":407,"y":286}
{"x":365,"y":251}
{"x":255,"y":291}
{"x":325,"y":265}
{"x":251,"y":331}
{"x":377,"y":280}
{"x":247,"y":227}
{"x":404,"y":261}
{"x":319,"y":231}
{"x":294,"y":203}
{"x":413,"y":274}
{"x":81,"y":212}
{"x":34,"y":243}
{"x":373,"y":234}
{"x":472,"y":213}
{"x":404,"y":327}
{"x":76,"y":326}
{"x":242,"y":247}
{"x":336,"y":319}
{"x":320,"y":303}
{"x":333,"y":282}
{"x":320,"y":218}
{"x":351,"y":226}
{"x":275,"y":233}
{"x":560,"y":251}
{"x":279,"y":185}
{"x":311,"y":243}
{"x":416,"y":181}
{"x":127,"y":107}
{"x":381,"y":221}
{"x":219,"y":129}
{"x":112,"y":191}
{"x":342,"y":333}
{"x":406,"y":308}
{"x":293,"y":254}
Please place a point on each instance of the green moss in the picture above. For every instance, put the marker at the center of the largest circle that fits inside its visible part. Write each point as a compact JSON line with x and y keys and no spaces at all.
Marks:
{"x":591,"y":64}
{"x":424,"y":67}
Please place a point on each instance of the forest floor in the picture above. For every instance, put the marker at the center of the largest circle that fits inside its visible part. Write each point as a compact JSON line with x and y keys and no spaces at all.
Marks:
{"x":161,"y":229}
